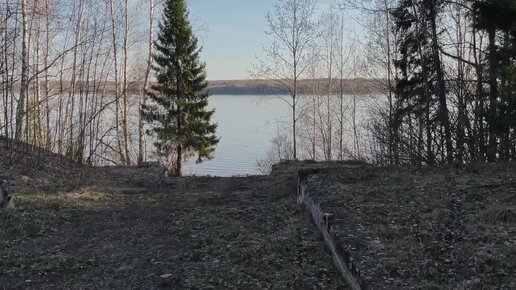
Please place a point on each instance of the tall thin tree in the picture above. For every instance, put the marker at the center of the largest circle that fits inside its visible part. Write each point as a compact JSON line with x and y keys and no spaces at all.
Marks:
{"x":292,"y":28}
{"x":145,"y":89}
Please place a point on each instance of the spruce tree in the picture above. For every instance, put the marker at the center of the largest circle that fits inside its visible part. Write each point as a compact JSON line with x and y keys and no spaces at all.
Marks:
{"x":498,"y":19}
{"x":178,"y":111}
{"x":415,"y":84}
{"x":421,"y":84}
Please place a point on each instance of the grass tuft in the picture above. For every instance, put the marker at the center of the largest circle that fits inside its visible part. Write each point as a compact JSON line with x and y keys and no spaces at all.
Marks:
{"x":500,"y":214}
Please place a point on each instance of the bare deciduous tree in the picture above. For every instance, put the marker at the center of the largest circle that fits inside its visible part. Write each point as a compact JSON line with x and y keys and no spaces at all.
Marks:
{"x":292,"y":28}
{"x":145,"y":89}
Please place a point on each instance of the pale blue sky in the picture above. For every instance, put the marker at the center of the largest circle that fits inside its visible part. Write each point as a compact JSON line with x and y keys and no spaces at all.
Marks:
{"x":232,"y":33}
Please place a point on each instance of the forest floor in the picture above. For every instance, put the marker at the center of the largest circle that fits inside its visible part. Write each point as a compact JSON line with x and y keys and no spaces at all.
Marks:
{"x":424,"y":228}
{"x":77,"y":227}
{"x":123,"y":228}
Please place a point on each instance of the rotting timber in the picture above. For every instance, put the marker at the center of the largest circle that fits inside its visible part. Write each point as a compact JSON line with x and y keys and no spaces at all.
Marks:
{"x":341,"y":257}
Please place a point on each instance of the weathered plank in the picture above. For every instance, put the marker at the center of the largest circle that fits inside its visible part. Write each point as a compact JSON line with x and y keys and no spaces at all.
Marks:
{"x":322,"y":220}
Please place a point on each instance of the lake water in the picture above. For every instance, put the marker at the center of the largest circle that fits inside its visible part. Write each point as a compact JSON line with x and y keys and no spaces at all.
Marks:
{"x":247,"y":125}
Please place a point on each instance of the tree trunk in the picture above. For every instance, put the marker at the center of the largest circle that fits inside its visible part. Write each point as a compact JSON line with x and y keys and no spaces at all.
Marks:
{"x":441,"y":88}
{"x":294,"y":119}
{"x":143,"y":97}
{"x":328,"y":153}
{"x":24,"y":85}
{"x":461,"y":110}
{"x":493,"y":94}
{"x":179,"y":147}
{"x":124,"y":112}
{"x":6,"y":83}
{"x":294,"y":93}
{"x":36,"y":108}
{"x":390,"y":141}
{"x":78,"y":31}
{"x":427,"y":95}
{"x":48,"y":144}
{"x":479,"y":141}
{"x":356,"y":146}
{"x":117,"y":91}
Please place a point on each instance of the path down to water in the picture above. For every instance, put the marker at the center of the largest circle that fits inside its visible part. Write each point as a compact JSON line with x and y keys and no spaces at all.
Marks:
{"x":124,"y":228}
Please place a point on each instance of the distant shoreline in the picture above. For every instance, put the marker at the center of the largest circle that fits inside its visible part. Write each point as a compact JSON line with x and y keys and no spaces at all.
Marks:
{"x":305,"y":87}
{"x":241,"y":87}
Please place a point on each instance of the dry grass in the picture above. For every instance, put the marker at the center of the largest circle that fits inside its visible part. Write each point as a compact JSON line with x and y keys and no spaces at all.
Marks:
{"x":124,"y":233}
{"x":426,"y":228}
{"x":501,"y":213}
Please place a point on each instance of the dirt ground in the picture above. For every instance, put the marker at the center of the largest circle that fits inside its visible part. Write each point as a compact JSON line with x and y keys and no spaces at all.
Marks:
{"x":124,"y":228}
{"x":422,"y":228}
{"x":77,"y":227}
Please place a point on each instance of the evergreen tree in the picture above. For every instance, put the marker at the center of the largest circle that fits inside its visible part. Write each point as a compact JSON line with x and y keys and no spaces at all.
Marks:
{"x":498,"y":19}
{"x":418,"y":85}
{"x":178,"y":112}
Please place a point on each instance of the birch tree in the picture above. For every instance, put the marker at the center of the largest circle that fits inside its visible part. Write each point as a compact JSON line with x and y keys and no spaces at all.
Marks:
{"x":24,"y":83}
{"x":145,"y":90}
{"x":292,"y":28}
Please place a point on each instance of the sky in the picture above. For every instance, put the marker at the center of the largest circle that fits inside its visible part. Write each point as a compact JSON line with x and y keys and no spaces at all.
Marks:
{"x":232,"y":34}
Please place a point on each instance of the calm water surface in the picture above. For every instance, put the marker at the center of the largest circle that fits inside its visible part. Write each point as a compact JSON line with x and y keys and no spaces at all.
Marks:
{"x":247,"y":124}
